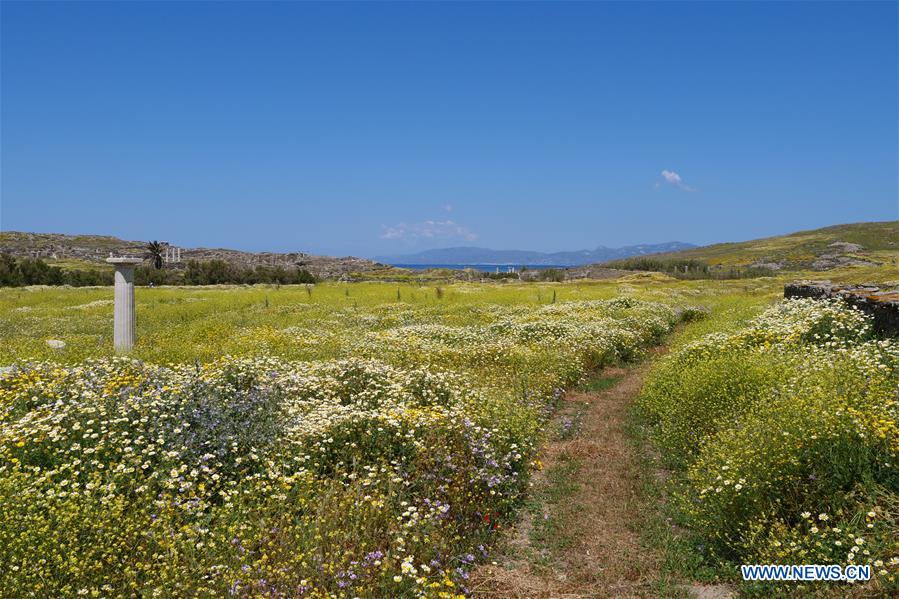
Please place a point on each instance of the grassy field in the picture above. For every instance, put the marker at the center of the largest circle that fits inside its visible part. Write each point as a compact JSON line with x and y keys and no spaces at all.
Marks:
{"x":372,"y":439}
{"x":180,"y":324}
{"x":297,"y":322}
{"x":357,"y":440}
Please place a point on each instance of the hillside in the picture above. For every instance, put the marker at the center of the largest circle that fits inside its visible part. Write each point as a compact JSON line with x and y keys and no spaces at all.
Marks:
{"x":90,"y":251}
{"x":477,"y":255}
{"x":863,"y":244}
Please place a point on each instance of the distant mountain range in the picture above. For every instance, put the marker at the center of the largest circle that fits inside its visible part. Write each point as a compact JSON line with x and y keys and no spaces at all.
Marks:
{"x":475,"y":255}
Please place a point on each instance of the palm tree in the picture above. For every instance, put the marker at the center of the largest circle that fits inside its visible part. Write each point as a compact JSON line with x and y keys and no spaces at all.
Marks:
{"x":155,"y":252}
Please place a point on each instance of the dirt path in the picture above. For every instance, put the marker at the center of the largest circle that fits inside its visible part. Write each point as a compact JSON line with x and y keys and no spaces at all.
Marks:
{"x":579,"y":535}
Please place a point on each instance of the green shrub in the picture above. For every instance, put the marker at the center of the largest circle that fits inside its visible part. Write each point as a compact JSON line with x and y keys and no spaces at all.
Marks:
{"x":786,"y":434}
{"x":692,"y":397}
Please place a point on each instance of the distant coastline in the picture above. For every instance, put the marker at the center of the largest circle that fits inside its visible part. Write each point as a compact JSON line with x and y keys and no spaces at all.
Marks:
{"x":481,"y":267}
{"x":477,"y":257}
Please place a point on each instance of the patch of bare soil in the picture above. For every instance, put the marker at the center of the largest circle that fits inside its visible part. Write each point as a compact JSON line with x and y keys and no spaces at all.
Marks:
{"x":712,"y":591}
{"x":594,"y":548}
{"x":602,"y":555}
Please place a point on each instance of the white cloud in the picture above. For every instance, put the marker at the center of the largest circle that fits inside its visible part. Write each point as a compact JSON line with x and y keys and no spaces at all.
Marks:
{"x":675,"y":179}
{"x":429,"y":229}
{"x":671,"y":177}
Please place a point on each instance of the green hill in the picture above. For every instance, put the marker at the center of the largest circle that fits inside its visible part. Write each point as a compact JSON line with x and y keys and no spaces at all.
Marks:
{"x":862,"y":244}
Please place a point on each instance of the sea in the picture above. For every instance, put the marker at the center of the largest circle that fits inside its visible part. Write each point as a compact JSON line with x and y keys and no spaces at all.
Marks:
{"x":482,"y":267}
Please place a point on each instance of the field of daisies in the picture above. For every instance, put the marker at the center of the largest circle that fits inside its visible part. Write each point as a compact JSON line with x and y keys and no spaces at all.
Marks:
{"x":784,"y":437}
{"x":295,"y":447}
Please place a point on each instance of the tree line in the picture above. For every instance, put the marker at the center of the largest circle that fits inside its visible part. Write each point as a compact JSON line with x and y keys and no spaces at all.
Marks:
{"x":19,"y":272}
{"x":688,"y":268}
{"x":220,"y":272}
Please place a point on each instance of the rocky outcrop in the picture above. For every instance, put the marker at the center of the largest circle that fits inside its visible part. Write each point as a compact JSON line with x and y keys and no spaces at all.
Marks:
{"x":839,"y":254}
{"x":882,"y":304}
{"x":96,"y":248}
{"x":594,"y":271}
{"x":767,"y":265}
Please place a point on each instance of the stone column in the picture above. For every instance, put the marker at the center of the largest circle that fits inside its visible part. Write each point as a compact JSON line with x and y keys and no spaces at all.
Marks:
{"x":123,"y":329}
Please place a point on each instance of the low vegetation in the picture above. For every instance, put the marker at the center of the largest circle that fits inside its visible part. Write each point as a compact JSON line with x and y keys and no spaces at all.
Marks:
{"x":785,"y":435}
{"x":382,"y":468}
{"x":373,"y":439}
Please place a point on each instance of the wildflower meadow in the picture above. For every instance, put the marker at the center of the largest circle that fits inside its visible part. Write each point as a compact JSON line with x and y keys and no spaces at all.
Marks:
{"x":383,"y":464}
{"x":786,"y":436}
{"x":374,"y":440}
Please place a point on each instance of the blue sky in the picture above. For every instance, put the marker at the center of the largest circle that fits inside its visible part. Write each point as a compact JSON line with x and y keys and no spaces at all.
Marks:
{"x":381,"y":128}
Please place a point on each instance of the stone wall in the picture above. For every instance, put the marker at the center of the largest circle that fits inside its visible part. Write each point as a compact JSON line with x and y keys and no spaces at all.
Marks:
{"x":882,"y":304}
